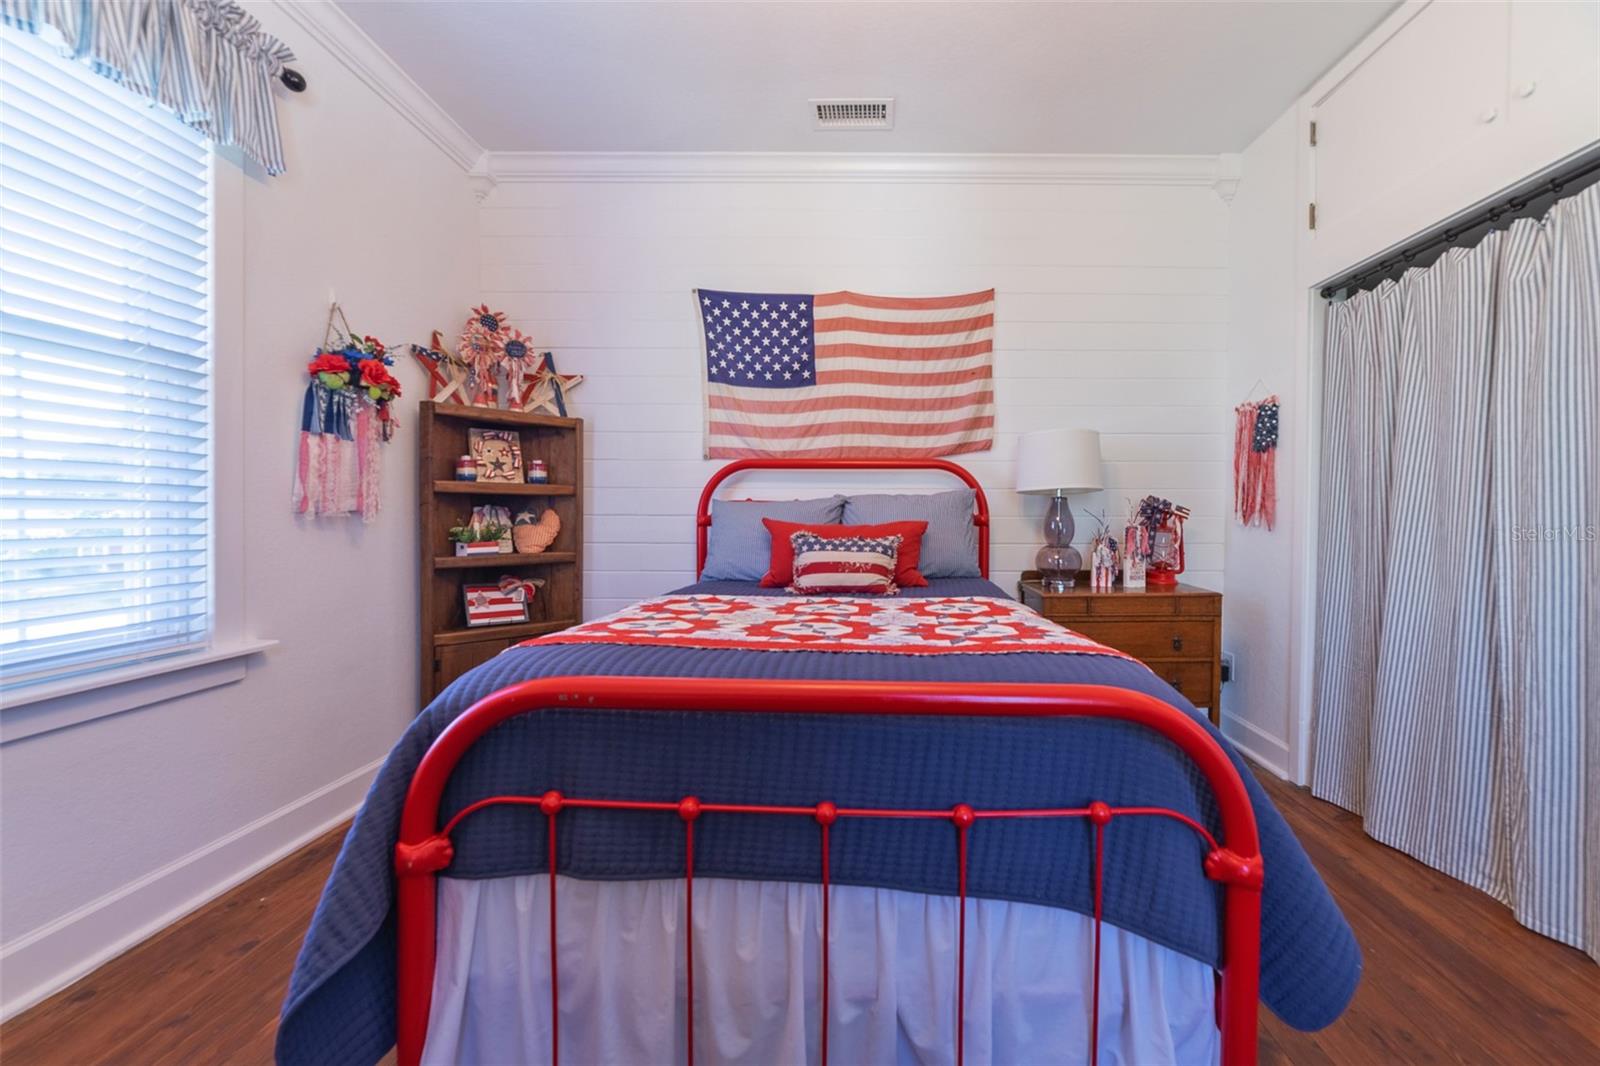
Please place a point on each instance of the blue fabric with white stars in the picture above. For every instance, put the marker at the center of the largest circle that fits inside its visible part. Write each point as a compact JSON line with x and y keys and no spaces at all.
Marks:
{"x":759,"y":340}
{"x":810,"y":542}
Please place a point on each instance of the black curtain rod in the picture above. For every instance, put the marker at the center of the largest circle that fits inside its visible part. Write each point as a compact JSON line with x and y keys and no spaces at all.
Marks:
{"x":1508,"y":209}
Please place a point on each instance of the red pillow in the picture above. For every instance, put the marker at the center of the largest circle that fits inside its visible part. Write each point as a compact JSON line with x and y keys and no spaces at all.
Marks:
{"x":780,"y":571}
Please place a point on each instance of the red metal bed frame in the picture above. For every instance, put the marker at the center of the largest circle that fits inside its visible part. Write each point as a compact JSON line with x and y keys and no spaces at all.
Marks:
{"x":424,"y":846}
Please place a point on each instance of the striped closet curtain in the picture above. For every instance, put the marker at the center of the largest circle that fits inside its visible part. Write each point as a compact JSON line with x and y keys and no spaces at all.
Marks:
{"x":1458,"y":644}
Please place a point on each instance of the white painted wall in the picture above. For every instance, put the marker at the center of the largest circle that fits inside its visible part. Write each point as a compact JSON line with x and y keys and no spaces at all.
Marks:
{"x":114,"y":826}
{"x":1261,"y":360}
{"x":1441,"y":107}
{"x":1110,"y":315}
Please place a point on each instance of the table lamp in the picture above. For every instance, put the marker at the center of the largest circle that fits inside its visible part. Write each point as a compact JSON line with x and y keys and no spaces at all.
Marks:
{"x":1058,"y":463}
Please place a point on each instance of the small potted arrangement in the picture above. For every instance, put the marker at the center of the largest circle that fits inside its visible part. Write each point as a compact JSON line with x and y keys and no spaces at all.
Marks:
{"x":477,"y":540}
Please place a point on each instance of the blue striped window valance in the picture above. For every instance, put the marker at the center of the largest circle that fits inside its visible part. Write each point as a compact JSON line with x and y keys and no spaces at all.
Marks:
{"x":207,"y":61}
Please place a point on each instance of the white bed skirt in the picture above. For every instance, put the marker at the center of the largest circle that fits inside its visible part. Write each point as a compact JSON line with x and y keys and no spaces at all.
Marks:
{"x":757,"y":951}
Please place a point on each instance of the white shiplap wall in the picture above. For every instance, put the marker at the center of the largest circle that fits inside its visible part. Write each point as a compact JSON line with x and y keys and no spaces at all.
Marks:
{"x":1110,"y":314}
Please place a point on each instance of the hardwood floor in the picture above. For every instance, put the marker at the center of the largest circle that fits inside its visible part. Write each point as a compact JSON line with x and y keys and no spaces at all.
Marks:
{"x":1450,"y":978}
{"x":206,"y":990}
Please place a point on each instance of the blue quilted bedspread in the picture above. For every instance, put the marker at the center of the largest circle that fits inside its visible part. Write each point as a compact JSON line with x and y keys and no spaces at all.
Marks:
{"x":340,"y":1006}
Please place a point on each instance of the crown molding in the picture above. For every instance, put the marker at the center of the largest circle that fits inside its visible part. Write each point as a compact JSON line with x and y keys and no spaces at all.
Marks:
{"x":1197,"y":170}
{"x":1230,"y":167}
{"x":482,"y":176}
{"x":327,"y":24}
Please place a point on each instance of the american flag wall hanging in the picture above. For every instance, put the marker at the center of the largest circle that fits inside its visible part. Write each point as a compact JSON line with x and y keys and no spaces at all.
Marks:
{"x":1255,"y":462}
{"x":840,"y":374}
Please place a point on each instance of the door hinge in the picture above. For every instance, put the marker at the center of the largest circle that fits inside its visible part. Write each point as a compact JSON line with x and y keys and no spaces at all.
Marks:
{"x":1311,"y":216}
{"x":1313,"y":135}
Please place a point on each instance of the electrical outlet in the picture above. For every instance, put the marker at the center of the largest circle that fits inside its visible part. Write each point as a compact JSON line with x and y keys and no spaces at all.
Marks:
{"x":1227,"y":667}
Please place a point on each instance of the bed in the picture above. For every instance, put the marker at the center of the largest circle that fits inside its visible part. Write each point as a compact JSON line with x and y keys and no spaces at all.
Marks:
{"x":891,"y":845}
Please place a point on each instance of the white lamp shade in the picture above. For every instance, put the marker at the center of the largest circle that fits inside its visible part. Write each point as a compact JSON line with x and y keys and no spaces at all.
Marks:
{"x":1059,"y":460}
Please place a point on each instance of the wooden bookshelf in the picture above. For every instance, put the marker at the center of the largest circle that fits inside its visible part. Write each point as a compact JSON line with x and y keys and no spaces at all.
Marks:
{"x":449,"y":646}
{"x":490,"y":488}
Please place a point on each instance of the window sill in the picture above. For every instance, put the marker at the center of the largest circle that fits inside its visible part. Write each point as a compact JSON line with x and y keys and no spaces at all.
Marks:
{"x":51,"y":706}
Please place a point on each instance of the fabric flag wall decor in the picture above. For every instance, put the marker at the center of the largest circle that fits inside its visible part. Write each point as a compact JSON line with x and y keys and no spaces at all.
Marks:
{"x":839,"y":374}
{"x":1255,"y":462}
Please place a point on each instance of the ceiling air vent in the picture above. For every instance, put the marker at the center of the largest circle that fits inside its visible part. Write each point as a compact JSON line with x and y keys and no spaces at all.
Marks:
{"x":870,"y":114}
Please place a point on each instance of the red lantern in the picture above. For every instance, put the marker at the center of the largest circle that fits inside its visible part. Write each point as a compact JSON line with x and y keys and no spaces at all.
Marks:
{"x":1166,"y":551}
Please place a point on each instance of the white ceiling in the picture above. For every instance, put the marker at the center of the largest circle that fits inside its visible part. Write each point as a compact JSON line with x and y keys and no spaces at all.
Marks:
{"x":1122,"y":77}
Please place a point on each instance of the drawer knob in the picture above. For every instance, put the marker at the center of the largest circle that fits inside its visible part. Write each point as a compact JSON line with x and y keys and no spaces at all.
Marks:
{"x":1177,"y":643}
{"x":1176,"y":682}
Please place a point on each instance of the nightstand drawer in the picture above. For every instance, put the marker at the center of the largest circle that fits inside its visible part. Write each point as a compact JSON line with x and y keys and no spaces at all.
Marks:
{"x":1165,"y":639}
{"x":1109,"y":606}
{"x":1192,"y":680}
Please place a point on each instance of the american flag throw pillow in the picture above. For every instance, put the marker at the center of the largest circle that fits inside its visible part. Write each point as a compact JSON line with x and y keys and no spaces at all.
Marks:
{"x":862,"y":566}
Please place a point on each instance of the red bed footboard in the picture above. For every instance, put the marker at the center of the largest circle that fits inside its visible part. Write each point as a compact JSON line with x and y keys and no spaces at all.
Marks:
{"x":424,"y":847}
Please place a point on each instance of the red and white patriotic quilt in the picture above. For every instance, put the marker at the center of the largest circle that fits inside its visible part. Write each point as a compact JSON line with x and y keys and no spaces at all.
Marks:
{"x":910,"y":626}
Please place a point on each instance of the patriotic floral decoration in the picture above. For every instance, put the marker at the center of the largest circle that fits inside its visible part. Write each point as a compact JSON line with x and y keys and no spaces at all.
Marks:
{"x":483,"y":350}
{"x":496,"y":365}
{"x":344,"y":419}
{"x":379,"y":383}
{"x":484,"y":321}
{"x":517,"y":349}
{"x":365,"y":361}
{"x":330,"y":369}
{"x":1152,"y":513}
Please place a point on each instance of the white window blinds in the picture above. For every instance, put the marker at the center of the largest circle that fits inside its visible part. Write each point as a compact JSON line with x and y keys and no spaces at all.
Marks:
{"x":104,"y":362}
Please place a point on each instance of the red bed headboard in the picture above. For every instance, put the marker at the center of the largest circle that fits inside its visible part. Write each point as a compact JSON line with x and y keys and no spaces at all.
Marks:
{"x":702,"y":518}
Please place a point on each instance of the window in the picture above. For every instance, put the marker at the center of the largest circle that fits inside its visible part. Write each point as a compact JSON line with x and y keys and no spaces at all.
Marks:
{"x":105,"y":399}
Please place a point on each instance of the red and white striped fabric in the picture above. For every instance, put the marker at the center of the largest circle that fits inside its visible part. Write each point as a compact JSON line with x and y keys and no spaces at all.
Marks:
{"x":861,"y":566}
{"x":844,"y":374}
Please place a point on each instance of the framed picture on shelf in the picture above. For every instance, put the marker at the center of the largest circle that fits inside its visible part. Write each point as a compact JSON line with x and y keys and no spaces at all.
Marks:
{"x":497,"y":453}
{"x":491,"y":605}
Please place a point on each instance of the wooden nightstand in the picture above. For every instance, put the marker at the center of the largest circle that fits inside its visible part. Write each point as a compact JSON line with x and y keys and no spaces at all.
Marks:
{"x":1177,"y":630}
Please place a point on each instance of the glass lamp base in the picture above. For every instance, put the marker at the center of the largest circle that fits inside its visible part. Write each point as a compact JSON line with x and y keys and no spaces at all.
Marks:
{"x":1058,"y":567}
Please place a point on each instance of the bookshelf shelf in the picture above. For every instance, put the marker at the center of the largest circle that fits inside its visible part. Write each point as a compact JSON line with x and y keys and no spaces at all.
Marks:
{"x":449,"y":646}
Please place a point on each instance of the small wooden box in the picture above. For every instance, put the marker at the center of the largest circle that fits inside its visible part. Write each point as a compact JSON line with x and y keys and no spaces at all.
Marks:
{"x":1176,"y":630}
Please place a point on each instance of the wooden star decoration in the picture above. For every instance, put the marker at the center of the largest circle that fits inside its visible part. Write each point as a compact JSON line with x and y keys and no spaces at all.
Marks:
{"x":547,"y":389}
{"x":445,"y":377}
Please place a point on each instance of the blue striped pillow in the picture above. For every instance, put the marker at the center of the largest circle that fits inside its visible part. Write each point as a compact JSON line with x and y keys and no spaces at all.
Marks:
{"x":949,"y":547}
{"x":738,"y":546}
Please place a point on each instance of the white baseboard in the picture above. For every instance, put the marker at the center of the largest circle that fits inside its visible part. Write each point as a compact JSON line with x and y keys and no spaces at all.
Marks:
{"x":1257,"y":744}
{"x":47,"y":959}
